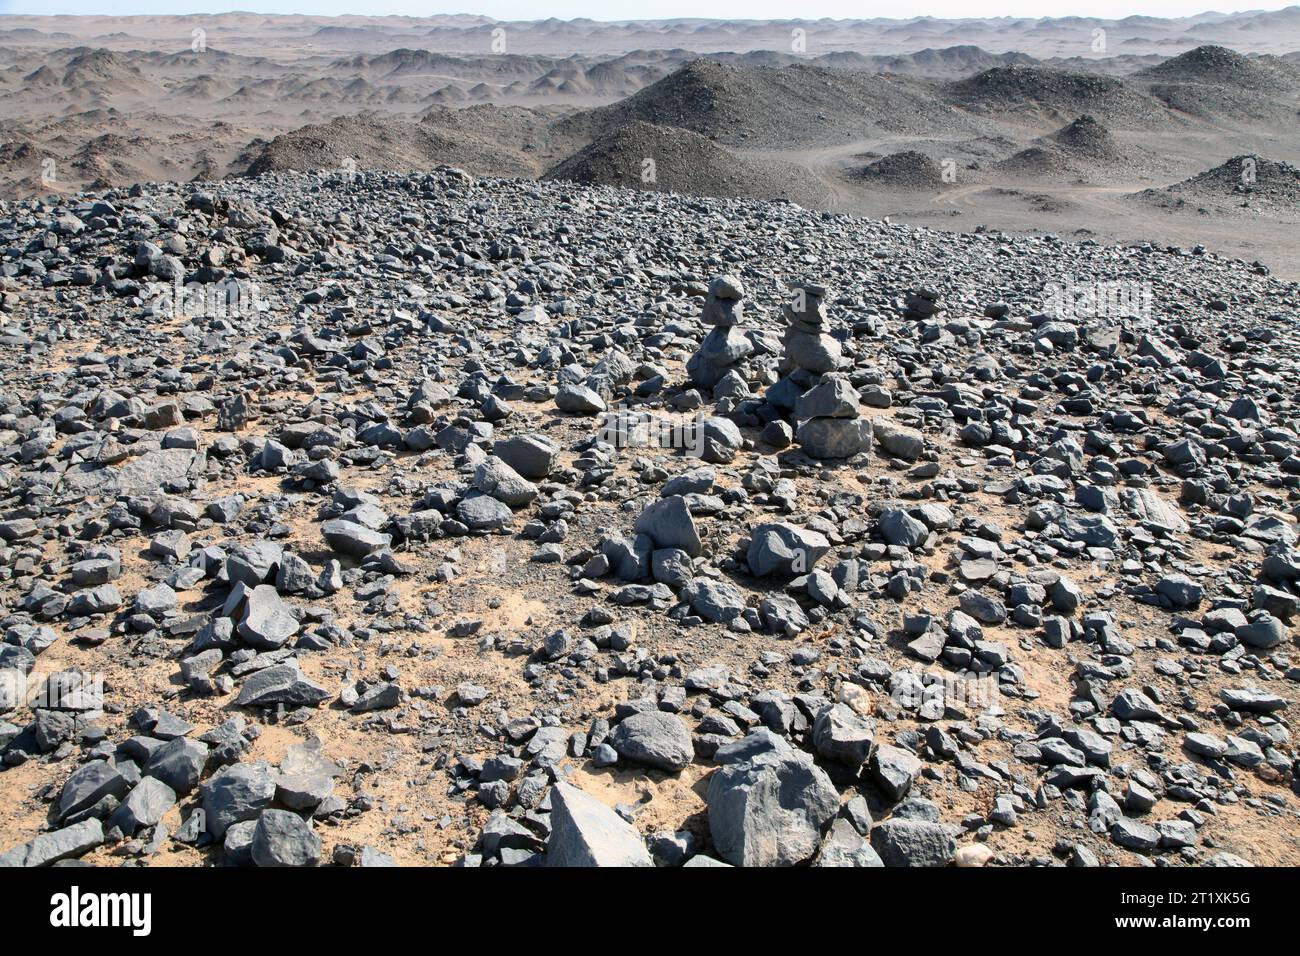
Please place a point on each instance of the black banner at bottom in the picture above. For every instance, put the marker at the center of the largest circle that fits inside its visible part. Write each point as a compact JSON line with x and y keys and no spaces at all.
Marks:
{"x":332,"y":905}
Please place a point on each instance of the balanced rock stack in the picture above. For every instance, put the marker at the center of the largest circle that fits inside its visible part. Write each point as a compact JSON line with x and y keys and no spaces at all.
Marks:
{"x":726,"y":346}
{"x":829,"y":422}
{"x":808,"y":348}
{"x":822,"y":401}
{"x":921,"y":304}
{"x":809,"y":351}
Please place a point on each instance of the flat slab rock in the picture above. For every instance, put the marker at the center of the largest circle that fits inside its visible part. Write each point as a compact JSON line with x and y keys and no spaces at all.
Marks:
{"x":49,"y":848}
{"x":138,"y":476}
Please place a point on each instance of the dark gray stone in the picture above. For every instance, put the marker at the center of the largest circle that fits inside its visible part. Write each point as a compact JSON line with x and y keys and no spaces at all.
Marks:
{"x":237,"y":793}
{"x":771,"y":809}
{"x":655,"y":739}
{"x":586,"y":832}
{"x":282,"y":838}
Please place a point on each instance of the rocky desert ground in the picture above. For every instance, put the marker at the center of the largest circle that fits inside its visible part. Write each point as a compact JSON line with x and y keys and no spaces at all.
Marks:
{"x":427,"y":485}
{"x":951,"y":124}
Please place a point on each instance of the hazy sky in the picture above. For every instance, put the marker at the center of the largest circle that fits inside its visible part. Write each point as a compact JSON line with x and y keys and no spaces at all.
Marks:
{"x":656,"y":9}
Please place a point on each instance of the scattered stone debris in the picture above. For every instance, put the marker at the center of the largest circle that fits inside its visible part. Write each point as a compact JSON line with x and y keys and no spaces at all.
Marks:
{"x":358,"y":578}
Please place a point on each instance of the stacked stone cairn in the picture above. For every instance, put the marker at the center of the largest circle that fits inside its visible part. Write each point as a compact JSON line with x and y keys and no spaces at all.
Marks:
{"x":823,"y":403}
{"x":921,"y":304}
{"x":726,"y":346}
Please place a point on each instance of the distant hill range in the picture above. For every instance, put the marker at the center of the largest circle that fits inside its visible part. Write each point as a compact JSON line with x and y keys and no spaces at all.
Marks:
{"x":1249,"y":32}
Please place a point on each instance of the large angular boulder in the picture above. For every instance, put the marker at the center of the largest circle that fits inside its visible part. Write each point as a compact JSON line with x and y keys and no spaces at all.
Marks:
{"x":281,"y":684}
{"x":669,"y":524}
{"x":784,"y":549}
{"x":89,"y":784}
{"x":48,"y":848}
{"x":845,"y":847}
{"x":142,"y":475}
{"x":913,"y":842}
{"x":144,"y":806}
{"x":267,"y":623}
{"x":832,"y":438}
{"x":532,"y":456}
{"x":494,"y":477}
{"x":237,"y":793}
{"x":353,"y":539}
{"x":586,"y":832}
{"x":1252,"y":700}
{"x":578,"y":400}
{"x":842,"y":735}
{"x":893,"y":769}
{"x":282,"y":838}
{"x":899,"y":440}
{"x":480,"y":512}
{"x":713,"y":600}
{"x":306,"y":776}
{"x":716,"y":440}
{"x":900,"y":528}
{"x":178,"y":763}
{"x":770,"y":810}
{"x":654,"y":738}
{"x":833,"y":397}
